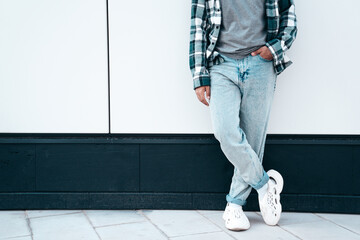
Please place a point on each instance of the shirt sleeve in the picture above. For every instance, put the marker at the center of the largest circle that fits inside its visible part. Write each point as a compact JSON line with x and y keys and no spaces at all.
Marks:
{"x":197,"y":48}
{"x":286,"y":35}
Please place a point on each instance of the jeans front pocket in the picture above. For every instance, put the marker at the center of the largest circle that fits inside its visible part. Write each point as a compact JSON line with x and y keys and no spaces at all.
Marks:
{"x":263,"y":59}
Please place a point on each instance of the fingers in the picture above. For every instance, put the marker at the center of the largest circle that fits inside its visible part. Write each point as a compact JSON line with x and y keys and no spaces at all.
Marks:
{"x":203,"y":100}
{"x":200,"y":93}
{"x":207,"y":89}
{"x":266,"y":54}
{"x":258,"y":51}
{"x":254,"y":53}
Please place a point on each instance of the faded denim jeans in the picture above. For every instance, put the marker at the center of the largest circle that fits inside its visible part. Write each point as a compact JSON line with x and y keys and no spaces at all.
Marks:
{"x":241,"y":95}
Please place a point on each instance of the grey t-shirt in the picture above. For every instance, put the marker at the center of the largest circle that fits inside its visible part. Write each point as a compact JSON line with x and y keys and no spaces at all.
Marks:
{"x":243,"y":27}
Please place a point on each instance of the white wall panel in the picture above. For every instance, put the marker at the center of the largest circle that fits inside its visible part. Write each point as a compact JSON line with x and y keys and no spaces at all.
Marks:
{"x":319,"y":93}
{"x":151,"y":85}
{"x":152,"y":88}
{"x":53,"y":66}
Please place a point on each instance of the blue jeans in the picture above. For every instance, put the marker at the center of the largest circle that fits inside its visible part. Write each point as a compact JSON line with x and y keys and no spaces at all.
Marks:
{"x":241,"y":95}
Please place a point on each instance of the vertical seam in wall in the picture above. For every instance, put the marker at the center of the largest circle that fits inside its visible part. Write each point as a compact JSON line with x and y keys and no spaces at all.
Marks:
{"x":108,"y":61}
{"x":352,"y":161}
{"x":139,"y":162}
{"x":36,"y":188}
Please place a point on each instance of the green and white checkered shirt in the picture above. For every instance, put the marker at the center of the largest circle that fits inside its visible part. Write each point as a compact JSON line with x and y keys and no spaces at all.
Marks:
{"x":205,"y":28}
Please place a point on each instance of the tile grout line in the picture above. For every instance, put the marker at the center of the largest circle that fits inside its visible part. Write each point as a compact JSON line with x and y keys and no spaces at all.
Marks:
{"x":29,"y":224}
{"x":61,"y":214}
{"x":91,"y":224}
{"x":259,"y":213}
{"x":120,"y":224}
{"x":149,"y":220}
{"x":290,"y":232}
{"x":216,"y":225}
{"x":15,"y":238}
{"x":195,"y":234}
{"x":335,"y":223}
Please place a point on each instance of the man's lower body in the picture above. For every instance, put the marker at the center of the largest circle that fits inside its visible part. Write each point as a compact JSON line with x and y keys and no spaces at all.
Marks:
{"x":241,"y":96}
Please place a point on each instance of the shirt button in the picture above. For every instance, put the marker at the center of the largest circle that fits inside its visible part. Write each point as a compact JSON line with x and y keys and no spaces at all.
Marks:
{"x":217,"y":26}
{"x":212,"y":43}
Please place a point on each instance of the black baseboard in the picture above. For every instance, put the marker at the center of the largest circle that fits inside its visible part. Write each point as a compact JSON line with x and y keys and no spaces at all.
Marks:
{"x":179,"y":201}
{"x":170,"y":171}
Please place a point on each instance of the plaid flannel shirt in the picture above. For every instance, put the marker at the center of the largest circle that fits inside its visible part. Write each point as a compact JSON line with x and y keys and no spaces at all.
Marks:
{"x":205,"y":28}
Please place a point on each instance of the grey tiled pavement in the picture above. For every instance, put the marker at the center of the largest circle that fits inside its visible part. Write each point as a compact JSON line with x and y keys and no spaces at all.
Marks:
{"x":170,"y":224}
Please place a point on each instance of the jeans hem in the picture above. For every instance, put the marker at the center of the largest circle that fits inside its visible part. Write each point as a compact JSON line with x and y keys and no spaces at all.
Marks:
{"x":236,"y":201}
{"x":262,"y":182}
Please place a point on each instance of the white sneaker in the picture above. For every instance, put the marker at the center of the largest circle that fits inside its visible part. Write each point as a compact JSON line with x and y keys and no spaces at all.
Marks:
{"x":235,"y":218}
{"x":270,"y":205}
